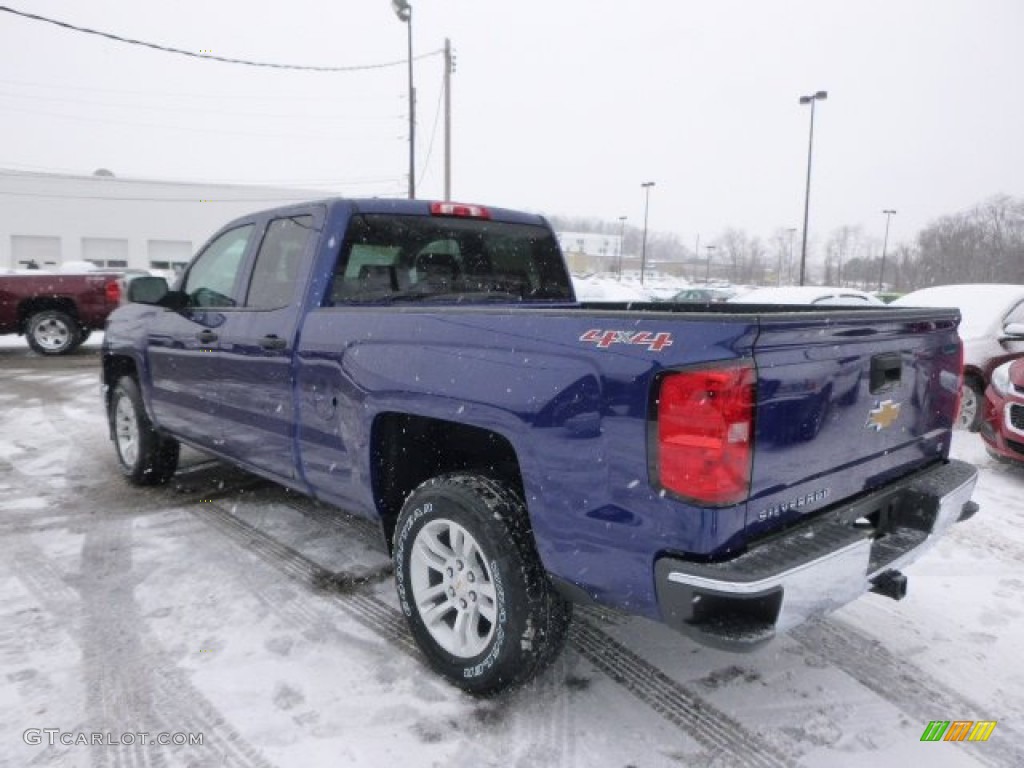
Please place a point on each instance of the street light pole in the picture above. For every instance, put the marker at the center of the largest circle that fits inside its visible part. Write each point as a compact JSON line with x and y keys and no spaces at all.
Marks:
{"x":643,"y":248}
{"x":818,"y":96}
{"x":789,"y":264}
{"x":622,"y":232}
{"x":885,"y":242}
{"x":707,"y":269}
{"x":404,"y":12}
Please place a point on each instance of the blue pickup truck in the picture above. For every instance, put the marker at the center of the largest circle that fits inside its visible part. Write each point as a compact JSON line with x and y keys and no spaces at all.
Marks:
{"x":729,"y":470}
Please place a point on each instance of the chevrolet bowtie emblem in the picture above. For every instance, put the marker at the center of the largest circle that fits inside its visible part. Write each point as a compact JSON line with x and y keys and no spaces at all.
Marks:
{"x":883,"y":415}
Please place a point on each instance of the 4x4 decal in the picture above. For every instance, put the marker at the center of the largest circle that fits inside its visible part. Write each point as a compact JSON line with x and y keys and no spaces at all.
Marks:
{"x":655,"y":342}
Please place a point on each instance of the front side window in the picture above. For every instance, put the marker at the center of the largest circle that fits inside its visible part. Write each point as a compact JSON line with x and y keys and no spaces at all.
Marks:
{"x":213,"y":279}
{"x":278,"y":262}
{"x":388,"y":258}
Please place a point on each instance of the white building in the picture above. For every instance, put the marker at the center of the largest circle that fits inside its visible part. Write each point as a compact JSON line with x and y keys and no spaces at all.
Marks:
{"x":590,"y":251}
{"x":51,"y":219}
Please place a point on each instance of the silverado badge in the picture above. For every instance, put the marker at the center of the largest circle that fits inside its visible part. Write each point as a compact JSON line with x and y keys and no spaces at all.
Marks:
{"x":883,"y":415}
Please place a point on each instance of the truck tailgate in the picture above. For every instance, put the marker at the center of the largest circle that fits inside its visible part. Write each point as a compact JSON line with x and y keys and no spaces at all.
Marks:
{"x":845,"y":403}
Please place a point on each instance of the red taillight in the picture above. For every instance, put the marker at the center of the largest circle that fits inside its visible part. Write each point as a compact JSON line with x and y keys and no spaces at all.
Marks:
{"x":113,"y":292}
{"x":705,"y":430}
{"x":460,"y":209}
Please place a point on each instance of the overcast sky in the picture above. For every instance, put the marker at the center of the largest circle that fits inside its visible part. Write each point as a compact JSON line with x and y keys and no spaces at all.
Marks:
{"x":559,"y":106}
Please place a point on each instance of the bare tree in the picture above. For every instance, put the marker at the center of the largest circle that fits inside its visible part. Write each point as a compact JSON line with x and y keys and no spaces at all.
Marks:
{"x":844,"y":244}
{"x":985,"y":244}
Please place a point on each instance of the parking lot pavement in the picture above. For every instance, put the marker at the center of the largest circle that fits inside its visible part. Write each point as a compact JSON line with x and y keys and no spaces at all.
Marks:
{"x":225,"y":610}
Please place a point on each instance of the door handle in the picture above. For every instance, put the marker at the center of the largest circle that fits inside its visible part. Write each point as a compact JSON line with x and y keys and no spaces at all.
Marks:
{"x":206,"y":336}
{"x":273,"y":342}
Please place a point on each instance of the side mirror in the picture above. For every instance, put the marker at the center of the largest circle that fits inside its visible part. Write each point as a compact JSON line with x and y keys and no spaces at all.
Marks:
{"x":147,"y":290}
{"x":1013,"y":330}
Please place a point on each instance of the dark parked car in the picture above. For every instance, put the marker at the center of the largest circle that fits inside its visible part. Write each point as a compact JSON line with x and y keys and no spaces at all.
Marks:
{"x":1003,"y":425}
{"x":992,"y":329}
{"x":703,"y":295}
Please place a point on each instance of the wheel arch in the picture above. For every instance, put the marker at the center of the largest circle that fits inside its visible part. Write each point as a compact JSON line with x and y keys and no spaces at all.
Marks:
{"x":408,"y":449}
{"x":37,"y":304}
{"x":975,"y":374}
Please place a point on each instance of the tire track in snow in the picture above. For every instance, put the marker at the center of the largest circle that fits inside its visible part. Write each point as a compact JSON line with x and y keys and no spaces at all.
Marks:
{"x":991,"y":542}
{"x":552,"y":743}
{"x":719,"y":734}
{"x":905,"y":685}
{"x":131,"y":683}
{"x":340,"y":588}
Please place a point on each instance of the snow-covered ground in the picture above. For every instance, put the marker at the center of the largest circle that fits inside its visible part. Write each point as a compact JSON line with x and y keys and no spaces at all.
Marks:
{"x":225,"y":606}
{"x":627,"y":287}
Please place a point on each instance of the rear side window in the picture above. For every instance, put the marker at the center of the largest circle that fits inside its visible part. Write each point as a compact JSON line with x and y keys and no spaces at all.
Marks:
{"x":410,"y":258}
{"x":277,"y":264}
{"x":843,"y":299}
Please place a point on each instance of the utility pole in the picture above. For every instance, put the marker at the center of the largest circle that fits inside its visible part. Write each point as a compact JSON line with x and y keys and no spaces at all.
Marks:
{"x":707,"y":269}
{"x":696,"y":255}
{"x":789,"y":264}
{"x":643,"y":246}
{"x":889,"y":212}
{"x":449,"y":68}
{"x":622,"y":233}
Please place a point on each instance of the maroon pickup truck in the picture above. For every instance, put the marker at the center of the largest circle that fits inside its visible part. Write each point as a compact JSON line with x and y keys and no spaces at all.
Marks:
{"x":57,"y":312}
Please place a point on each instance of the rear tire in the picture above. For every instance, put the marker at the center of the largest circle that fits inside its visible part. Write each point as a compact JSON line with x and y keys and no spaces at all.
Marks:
{"x":972,"y":400}
{"x":144,"y":456}
{"x":52,"y":332}
{"x":472,"y":587}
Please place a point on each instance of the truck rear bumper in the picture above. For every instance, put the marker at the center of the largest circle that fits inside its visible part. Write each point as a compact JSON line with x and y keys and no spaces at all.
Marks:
{"x":818,"y":566}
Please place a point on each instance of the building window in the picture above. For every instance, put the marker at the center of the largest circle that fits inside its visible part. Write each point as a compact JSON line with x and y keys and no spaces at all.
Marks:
{"x":31,"y":252}
{"x":169,"y":254}
{"x":105,"y":251}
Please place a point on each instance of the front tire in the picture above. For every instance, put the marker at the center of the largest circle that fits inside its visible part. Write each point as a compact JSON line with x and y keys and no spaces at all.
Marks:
{"x":52,"y":332}
{"x":144,"y":456}
{"x":472,"y":587}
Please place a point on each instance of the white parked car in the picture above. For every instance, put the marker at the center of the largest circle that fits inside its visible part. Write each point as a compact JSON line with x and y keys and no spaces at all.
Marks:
{"x":992,"y":329}
{"x":809,"y":294}
{"x":606,"y":289}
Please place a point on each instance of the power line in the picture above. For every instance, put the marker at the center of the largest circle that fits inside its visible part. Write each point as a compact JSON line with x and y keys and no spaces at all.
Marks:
{"x":203,"y":129}
{"x":433,"y":134}
{"x":276,"y":98}
{"x":208,"y":56}
{"x":19,"y":172}
{"x":133,"y":199}
{"x":320,"y":118}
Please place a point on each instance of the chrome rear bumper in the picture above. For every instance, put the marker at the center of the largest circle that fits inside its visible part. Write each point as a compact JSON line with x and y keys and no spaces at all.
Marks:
{"x":818,"y":566}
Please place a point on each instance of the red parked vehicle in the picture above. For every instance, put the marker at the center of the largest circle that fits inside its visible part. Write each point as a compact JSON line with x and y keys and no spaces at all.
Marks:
{"x":57,"y":312}
{"x":1003,"y":428}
